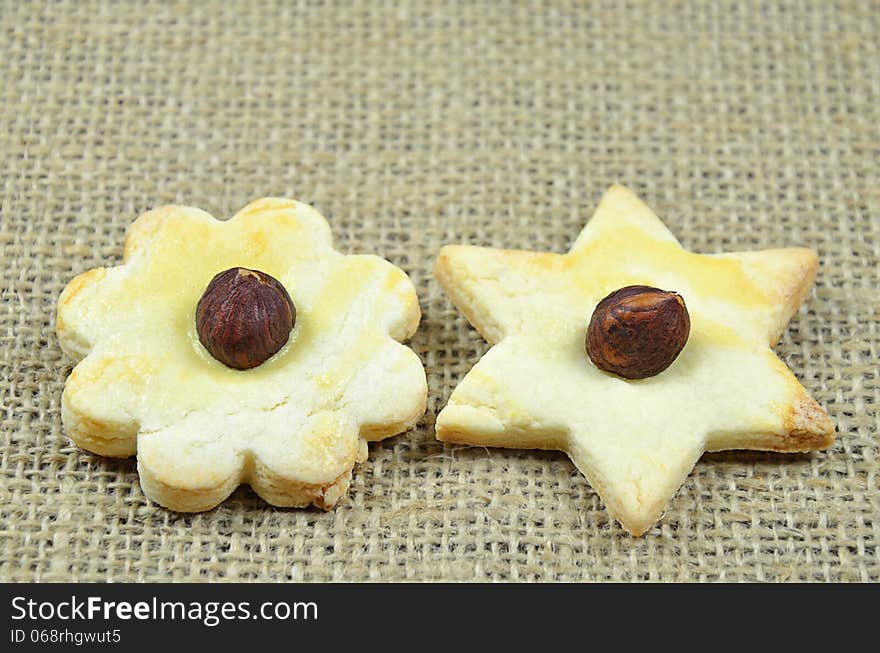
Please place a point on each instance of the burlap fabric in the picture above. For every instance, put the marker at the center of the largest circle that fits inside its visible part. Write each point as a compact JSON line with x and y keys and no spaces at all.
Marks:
{"x":744,"y":124}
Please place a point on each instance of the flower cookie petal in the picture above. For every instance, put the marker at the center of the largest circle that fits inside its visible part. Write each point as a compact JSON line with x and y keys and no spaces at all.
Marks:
{"x":283,"y":225}
{"x":160,"y":223}
{"x":88,"y":309}
{"x":396,"y":404}
{"x":377,"y":381}
{"x":81,"y":312}
{"x":190,"y":466}
{"x":99,"y":402}
{"x":303,"y":457}
{"x":280,"y":490}
{"x":394,"y":304}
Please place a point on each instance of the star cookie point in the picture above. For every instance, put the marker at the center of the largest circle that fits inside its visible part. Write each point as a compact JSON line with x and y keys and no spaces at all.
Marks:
{"x":620,"y":207}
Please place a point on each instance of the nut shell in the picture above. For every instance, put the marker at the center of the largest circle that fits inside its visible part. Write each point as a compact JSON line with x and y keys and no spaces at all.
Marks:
{"x":638,"y":331}
{"x":244,"y":317}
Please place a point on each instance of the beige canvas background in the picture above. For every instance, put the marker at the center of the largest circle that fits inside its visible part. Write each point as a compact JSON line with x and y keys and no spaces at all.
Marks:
{"x":409,"y":125}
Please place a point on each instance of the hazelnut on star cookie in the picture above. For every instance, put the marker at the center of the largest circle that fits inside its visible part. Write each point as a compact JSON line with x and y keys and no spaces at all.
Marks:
{"x":240,"y":351}
{"x":631,"y":354}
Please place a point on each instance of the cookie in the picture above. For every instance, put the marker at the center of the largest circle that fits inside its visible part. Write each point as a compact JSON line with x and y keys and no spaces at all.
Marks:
{"x":291,"y":427}
{"x":635,"y":440}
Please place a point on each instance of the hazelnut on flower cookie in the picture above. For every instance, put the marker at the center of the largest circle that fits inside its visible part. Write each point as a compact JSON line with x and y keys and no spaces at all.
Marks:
{"x":240,"y":351}
{"x":631,"y":354}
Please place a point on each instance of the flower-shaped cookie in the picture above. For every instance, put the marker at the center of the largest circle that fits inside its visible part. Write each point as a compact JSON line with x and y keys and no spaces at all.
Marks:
{"x":292,"y":428}
{"x":635,"y":440}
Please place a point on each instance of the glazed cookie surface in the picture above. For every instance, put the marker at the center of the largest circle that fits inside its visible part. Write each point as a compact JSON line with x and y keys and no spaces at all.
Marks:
{"x":634,"y":440}
{"x":293,"y":427}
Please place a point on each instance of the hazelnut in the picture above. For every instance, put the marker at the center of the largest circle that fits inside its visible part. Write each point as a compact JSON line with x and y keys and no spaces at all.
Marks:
{"x":637,"y":331}
{"x":244,"y":317}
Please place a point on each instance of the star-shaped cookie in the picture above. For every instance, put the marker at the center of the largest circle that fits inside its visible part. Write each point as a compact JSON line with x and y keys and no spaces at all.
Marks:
{"x":635,"y":441}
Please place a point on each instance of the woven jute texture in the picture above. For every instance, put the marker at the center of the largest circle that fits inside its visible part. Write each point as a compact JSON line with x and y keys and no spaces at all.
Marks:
{"x":743,"y":124}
